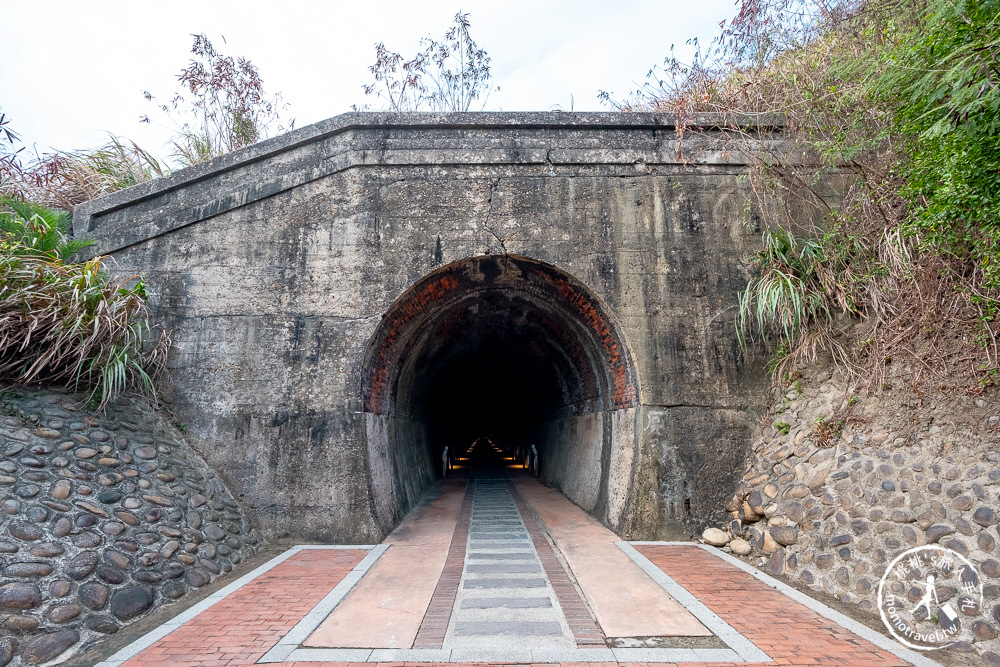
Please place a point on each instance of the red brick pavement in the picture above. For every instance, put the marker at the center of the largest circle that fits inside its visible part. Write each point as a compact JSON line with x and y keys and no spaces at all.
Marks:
{"x":243,"y":627}
{"x":789,"y":632}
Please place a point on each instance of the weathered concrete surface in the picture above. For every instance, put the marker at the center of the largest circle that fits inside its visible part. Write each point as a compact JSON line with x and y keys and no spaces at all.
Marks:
{"x":274,"y":267}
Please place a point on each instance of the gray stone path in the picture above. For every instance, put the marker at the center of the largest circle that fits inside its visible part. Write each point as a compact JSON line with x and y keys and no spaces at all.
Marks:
{"x":505,"y":600}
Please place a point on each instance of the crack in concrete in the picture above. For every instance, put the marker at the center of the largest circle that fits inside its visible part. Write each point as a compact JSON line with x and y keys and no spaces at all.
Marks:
{"x":494,"y":186}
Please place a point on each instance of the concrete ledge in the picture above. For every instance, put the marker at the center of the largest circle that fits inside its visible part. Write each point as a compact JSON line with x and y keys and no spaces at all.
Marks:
{"x":554,"y":139}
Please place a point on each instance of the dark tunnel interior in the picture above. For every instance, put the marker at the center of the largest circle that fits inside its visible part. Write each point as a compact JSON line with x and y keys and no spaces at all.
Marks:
{"x":499,"y":374}
{"x":493,"y":348}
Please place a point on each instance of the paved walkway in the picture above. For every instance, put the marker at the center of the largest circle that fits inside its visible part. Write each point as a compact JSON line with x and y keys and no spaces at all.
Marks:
{"x":502,"y":570}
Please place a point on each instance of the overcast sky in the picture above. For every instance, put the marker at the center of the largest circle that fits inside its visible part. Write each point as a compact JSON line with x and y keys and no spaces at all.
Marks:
{"x":71,"y":71}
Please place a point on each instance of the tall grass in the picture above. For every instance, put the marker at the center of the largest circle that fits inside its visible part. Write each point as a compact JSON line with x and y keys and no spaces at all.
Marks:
{"x":65,"y":179}
{"x":69,"y":323}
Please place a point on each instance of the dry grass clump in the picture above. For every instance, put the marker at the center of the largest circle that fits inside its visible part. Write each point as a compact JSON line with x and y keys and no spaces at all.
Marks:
{"x":63,"y":180}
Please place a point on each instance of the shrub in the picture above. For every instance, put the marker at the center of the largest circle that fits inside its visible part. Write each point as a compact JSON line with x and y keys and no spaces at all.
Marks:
{"x":224,"y":107}
{"x":899,"y":102}
{"x":449,"y":75}
{"x":68,"y":323}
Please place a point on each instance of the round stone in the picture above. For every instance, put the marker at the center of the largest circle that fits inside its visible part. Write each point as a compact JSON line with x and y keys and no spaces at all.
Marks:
{"x":197,"y":577}
{"x":28,"y":570}
{"x":64,"y":612}
{"x":985,"y":542}
{"x":173,"y":571}
{"x":103,"y":624}
{"x":109,"y":496}
{"x":146,"y":453}
{"x":25,"y":531}
{"x":61,"y":527}
{"x":174,"y":589}
{"x":712,"y":536}
{"x":985,"y":516}
{"x":49,"y":646}
{"x":147,"y":577}
{"x":86,"y":453}
{"x":739,"y":546}
{"x":209,"y":565}
{"x":962,"y":503}
{"x":60,"y":588}
{"x":937,"y":531}
{"x":82,"y":565}
{"x":86,"y":539}
{"x":113,"y":528}
{"x":37,"y":514}
{"x":131,"y":602}
{"x":10,"y":507}
{"x":168,"y":549}
{"x":18,"y":596}
{"x":117,"y":559}
{"x":784,"y":535}
{"x":983,"y":630}
{"x":111,"y":575}
{"x":215,"y":532}
{"x":94,"y":596}
{"x":48,"y":550}
{"x":20,"y":623}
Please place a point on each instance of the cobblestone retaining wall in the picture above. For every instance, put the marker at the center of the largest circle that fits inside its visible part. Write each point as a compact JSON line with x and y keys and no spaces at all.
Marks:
{"x":841,"y":483}
{"x":102,"y":520}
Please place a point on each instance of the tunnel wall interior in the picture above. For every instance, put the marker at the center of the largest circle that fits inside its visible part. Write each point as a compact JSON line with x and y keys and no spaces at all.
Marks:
{"x":505,"y":348}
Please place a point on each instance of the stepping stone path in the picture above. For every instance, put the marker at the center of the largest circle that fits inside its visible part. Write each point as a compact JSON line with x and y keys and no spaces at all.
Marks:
{"x":505,"y":599}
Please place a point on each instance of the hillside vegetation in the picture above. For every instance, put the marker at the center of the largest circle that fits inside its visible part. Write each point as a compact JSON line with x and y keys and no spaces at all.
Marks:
{"x":903,"y":98}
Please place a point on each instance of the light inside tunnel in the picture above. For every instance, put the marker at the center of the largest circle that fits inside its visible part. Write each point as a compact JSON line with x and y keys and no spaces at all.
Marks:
{"x":501,"y":347}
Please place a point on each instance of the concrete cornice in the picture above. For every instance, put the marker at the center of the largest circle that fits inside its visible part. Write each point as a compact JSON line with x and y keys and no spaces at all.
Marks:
{"x":396,"y":139}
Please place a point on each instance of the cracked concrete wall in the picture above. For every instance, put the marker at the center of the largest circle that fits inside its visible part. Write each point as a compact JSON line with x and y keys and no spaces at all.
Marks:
{"x":273,"y":266}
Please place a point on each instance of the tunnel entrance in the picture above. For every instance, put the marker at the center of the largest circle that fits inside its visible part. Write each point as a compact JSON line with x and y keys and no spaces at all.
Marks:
{"x":506,"y":348}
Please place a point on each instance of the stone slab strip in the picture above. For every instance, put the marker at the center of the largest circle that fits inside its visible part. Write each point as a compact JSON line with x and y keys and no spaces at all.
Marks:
{"x":150,"y":638}
{"x":434,"y":625}
{"x":863,"y":631}
{"x":581,"y":621}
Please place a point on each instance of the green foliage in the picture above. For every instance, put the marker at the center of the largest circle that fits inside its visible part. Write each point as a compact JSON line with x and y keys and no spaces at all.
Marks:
{"x":896,"y":103}
{"x":789,"y":292}
{"x":68,"y":323}
{"x":32,"y":229}
{"x":942,"y":81}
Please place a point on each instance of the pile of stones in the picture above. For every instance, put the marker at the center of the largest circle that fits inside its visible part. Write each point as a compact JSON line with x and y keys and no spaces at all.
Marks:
{"x":102,"y":520}
{"x":840,"y":483}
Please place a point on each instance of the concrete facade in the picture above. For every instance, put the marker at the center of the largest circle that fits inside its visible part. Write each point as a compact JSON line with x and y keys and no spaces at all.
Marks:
{"x":348,"y":298}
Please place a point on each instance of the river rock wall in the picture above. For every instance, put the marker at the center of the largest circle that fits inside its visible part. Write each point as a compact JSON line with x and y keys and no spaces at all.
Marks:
{"x":841,"y":482}
{"x":102,"y":520}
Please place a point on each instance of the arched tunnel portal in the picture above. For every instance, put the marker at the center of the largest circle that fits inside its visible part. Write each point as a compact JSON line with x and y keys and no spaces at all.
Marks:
{"x":510,"y":348}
